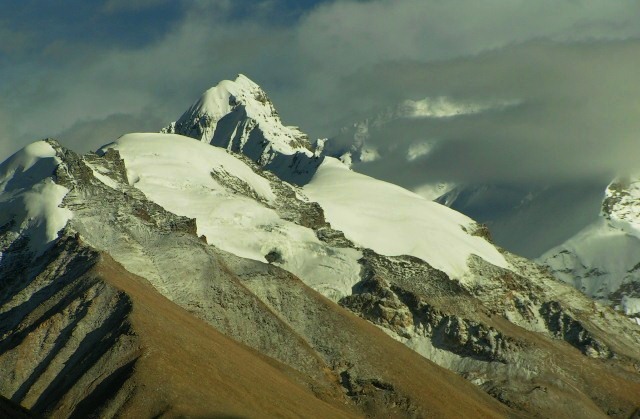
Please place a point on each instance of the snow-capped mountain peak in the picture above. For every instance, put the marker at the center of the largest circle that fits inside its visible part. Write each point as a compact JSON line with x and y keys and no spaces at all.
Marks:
{"x":239,"y":116}
{"x":242,"y":95}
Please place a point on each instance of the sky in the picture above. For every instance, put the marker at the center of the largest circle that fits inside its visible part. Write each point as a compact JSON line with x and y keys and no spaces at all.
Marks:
{"x":542,"y":92}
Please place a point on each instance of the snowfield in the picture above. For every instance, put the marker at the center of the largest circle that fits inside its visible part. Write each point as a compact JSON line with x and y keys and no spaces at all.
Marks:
{"x":176,"y":173}
{"x":597,"y":260}
{"x":393,"y":221}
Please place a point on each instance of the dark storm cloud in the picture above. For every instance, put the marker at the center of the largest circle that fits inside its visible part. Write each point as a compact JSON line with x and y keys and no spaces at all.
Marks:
{"x":117,"y":6}
{"x":575,"y":114}
{"x":344,"y":38}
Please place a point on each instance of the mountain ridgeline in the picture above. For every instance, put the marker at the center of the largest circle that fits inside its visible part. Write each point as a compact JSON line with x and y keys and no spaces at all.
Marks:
{"x":227,"y":267}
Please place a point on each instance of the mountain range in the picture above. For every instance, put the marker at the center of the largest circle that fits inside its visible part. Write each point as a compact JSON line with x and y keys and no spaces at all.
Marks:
{"x":230,"y":267}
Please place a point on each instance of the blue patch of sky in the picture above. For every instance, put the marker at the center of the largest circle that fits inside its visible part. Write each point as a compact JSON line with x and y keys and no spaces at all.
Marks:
{"x":87,"y":22}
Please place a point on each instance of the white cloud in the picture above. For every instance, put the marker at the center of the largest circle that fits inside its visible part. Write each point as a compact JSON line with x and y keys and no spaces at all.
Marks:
{"x":419,"y":149}
{"x":443,"y":107}
{"x":432,"y":191}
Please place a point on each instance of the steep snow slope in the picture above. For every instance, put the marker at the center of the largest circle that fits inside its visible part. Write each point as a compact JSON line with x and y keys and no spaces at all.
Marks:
{"x":393,"y":221}
{"x":238,"y":115}
{"x":603,"y":260}
{"x":233,"y":206}
{"x":29,"y":199}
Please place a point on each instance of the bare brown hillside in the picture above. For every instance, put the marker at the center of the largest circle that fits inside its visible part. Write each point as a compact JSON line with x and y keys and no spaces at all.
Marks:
{"x":102,"y":341}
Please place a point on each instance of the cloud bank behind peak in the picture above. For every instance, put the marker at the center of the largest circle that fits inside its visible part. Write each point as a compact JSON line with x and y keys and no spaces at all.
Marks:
{"x":568,"y":66}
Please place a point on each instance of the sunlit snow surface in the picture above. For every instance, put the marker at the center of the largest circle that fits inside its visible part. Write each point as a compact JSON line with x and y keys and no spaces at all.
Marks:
{"x":597,"y":259}
{"x":30,"y":198}
{"x":393,"y":221}
{"x":176,"y":173}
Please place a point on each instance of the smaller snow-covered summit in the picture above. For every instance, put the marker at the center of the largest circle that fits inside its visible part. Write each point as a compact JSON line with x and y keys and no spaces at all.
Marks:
{"x":603,"y":260}
{"x":238,"y":115}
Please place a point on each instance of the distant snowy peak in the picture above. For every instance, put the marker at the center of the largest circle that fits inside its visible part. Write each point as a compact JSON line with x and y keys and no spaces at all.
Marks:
{"x":241,"y":96}
{"x":603,"y":260}
{"x":238,"y":115}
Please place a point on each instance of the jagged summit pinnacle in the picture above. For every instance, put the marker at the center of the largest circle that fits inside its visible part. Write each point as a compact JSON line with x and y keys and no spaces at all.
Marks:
{"x":224,"y":97}
{"x":239,"y":116}
{"x":229,"y":103}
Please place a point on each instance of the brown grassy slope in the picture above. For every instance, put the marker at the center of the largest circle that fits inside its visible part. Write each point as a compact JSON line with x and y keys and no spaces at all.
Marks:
{"x":189,"y":369}
{"x":387,"y":378}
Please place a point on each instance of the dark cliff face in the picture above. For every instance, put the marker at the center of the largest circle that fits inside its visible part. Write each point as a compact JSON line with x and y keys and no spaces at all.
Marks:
{"x":9,"y":409}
